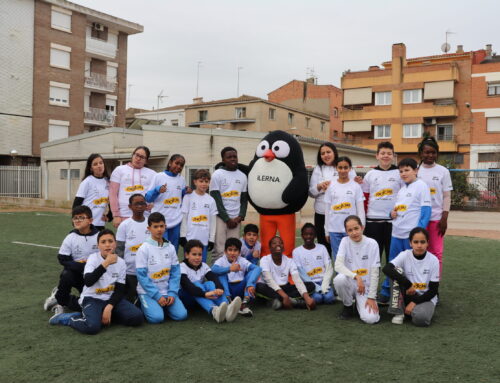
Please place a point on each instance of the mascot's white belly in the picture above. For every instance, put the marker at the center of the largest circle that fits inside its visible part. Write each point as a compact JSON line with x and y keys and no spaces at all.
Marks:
{"x":267,"y":181}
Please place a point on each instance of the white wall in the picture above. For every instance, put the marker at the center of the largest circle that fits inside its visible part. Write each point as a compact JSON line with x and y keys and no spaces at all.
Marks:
{"x":167,"y":115}
{"x":16,"y":75}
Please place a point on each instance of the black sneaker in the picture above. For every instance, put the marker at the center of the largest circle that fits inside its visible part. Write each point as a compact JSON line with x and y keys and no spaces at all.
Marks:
{"x":298,"y":303}
{"x":346,"y":313}
{"x":383,"y":300}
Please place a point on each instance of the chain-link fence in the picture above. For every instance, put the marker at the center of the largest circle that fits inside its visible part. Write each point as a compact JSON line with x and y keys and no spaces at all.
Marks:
{"x":475,"y":188}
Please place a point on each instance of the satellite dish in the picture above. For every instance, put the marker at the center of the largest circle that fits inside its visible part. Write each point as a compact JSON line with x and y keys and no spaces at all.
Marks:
{"x":445,"y":47}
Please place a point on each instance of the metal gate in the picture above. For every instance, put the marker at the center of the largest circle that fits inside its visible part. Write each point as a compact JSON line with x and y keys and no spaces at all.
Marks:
{"x":20,"y":181}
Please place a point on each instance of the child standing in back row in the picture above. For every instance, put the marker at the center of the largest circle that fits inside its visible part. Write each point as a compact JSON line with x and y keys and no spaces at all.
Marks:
{"x":250,"y":244}
{"x":412,"y":209}
{"x":438,"y":179}
{"x":199,"y":213}
{"x":166,"y":192}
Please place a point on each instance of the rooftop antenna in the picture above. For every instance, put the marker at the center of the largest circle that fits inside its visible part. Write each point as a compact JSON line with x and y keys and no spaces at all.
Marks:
{"x":311,"y":73}
{"x":446,"y":47}
{"x":158,"y":100}
{"x":198,"y":77}
{"x":238,"y":84}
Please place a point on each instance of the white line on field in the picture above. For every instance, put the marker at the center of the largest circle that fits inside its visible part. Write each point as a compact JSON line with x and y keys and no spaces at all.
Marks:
{"x":34,"y":244}
{"x":47,"y":215}
{"x":7,"y":213}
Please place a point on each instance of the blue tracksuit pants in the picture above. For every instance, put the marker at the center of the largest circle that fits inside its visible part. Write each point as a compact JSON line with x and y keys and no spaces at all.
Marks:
{"x":205,"y":303}
{"x":238,"y":289}
{"x":155,"y":313}
{"x":320,"y":298}
{"x":172,"y":234}
{"x":397,"y":246}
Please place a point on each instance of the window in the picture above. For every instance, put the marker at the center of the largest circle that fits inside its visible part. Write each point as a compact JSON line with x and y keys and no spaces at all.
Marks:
{"x":61,"y":19}
{"x":309,"y":170}
{"x":74,"y":174}
{"x":111,"y":73}
{"x":60,"y":56}
{"x":241,"y":112}
{"x":488,"y":157}
{"x":412,"y":96}
{"x":335,"y":112}
{"x":444,"y":132}
{"x":322,"y":126}
{"x":412,"y":130}
{"x":308,"y":122}
{"x":99,"y":32}
{"x":382,"y":131}
{"x":202,"y":115}
{"x":174,"y":122}
{"x":58,"y":129}
{"x":290,"y":118}
{"x":272,"y":114}
{"x":456,"y":158}
{"x":493,"y":89}
{"x":335,"y":133}
{"x":59,"y":94}
{"x":493,"y":124}
{"x":190,"y":174}
{"x":111,"y":105}
{"x":383,"y":98}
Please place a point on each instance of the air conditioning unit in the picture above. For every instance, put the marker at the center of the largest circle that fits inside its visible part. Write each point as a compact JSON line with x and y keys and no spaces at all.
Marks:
{"x":98,"y":27}
{"x":429,"y":121}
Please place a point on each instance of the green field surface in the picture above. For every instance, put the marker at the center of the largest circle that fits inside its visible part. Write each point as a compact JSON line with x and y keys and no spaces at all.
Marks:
{"x":461,"y":345}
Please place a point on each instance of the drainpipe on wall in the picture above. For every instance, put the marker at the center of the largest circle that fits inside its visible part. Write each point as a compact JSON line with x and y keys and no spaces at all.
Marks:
{"x":68,"y":187}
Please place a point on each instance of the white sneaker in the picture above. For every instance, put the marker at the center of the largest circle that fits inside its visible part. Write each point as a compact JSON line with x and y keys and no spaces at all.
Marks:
{"x":245,"y":311}
{"x":232,"y":310}
{"x":219,"y":312}
{"x":51,"y":301}
{"x":398,"y":319}
{"x":58,"y":309}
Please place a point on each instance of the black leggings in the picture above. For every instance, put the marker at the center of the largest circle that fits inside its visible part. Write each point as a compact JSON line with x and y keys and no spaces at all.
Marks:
{"x":290,"y":290}
{"x":319,"y":222}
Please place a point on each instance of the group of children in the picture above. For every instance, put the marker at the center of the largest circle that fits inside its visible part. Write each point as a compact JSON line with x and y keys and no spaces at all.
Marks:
{"x":136,"y":274}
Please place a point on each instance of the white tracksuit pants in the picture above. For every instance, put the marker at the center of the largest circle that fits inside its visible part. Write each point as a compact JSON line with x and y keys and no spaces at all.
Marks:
{"x":347,"y":290}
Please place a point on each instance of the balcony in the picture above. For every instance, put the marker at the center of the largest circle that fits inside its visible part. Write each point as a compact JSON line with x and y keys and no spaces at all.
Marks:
{"x":99,"y":82}
{"x":101,"y":117}
{"x":100,"y":48}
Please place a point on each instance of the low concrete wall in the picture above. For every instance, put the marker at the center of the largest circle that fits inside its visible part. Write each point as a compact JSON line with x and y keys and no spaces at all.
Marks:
{"x":35,"y":202}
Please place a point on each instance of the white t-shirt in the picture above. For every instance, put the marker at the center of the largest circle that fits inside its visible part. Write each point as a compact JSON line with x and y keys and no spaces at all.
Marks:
{"x":314,"y":262}
{"x":409,"y":202}
{"x":133,"y":233}
{"x":246,"y":252}
{"x":79,"y":246}
{"x":105,"y":286}
{"x":383,"y":187}
{"x":439,"y":181}
{"x":279,"y":273}
{"x":360,"y":257}
{"x":341,"y":201}
{"x":131,"y":181}
{"x":200,"y":210}
{"x":158,"y":261}
{"x":419,"y":272}
{"x":95,"y":194}
{"x":195,"y":275}
{"x":320,"y":174}
{"x":230,"y":184}
{"x":169,"y":203}
{"x":233,"y":276}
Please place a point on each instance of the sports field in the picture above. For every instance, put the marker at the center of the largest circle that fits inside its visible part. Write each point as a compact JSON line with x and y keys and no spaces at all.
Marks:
{"x":462,"y":345}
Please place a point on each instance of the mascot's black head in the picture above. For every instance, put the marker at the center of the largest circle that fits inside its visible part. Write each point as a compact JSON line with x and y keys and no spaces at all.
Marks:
{"x":277,"y":178}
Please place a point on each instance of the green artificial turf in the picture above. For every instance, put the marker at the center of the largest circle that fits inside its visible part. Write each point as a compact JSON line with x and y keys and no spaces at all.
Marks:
{"x":273,"y":346}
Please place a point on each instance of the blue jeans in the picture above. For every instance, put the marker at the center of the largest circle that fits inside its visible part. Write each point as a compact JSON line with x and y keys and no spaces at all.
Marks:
{"x":320,"y":298}
{"x":172,"y":234}
{"x":238,"y":289}
{"x":397,"y":246}
{"x":335,"y":239}
{"x":205,"y":303}
{"x":89,"y":322}
{"x":155,"y":313}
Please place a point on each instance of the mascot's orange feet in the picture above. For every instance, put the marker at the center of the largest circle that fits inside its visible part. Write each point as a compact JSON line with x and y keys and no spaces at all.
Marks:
{"x":271,"y":224}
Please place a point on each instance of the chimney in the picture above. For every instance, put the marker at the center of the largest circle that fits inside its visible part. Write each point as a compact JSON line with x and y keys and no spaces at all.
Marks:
{"x":488,"y":50}
{"x":311,"y":80}
{"x":197,"y":100}
{"x":373,"y":67}
{"x":460,"y":49}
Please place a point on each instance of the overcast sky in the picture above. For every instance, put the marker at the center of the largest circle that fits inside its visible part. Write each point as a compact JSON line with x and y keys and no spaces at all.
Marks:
{"x":275,"y":41}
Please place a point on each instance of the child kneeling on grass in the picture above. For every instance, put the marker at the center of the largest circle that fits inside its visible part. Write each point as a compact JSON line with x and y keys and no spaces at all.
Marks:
{"x":158,"y":274}
{"x":416,"y":272}
{"x":102,"y":299}
{"x":200,"y":285}
{"x":357,"y":265}
{"x":237,"y":275}
{"x":275,"y":286}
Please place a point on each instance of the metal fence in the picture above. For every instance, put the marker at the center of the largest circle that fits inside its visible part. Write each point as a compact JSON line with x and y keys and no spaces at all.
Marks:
{"x":20,"y":181}
{"x":476,"y":189}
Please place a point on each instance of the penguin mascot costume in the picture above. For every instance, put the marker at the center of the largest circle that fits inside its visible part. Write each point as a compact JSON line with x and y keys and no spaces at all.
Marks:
{"x":278,"y":187}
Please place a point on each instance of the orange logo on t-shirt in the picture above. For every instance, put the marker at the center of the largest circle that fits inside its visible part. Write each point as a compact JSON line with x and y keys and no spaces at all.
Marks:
{"x":134,"y":188}
{"x":361,"y":272}
{"x":433,"y":190}
{"x":100,"y":201}
{"x":419,"y":286}
{"x":342,"y":206}
{"x":315,"y":271}
{"x":105,"y":289}
{"x":232,"y":193}
{"x":135,"y":248}
{"x":171,"y":201}
{"x":161,"y":273}
{"x":200,"y":218}
{"x":383,"y":193}
{"x":401,"y":208}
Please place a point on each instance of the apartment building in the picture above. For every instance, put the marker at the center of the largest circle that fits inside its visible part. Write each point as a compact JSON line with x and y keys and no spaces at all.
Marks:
{"x":66,"y":73}
{"x":248,"y":113}
{"x":309,"y":96}
{"x":409,"y":97}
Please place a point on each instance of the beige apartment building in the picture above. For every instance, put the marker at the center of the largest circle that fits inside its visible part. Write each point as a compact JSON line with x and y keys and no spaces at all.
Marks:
{"x":248,"y":113}
{"x":65,"y":73}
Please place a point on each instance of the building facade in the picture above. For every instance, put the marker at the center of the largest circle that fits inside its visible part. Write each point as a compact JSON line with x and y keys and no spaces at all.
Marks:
{"x":170,"y":116}
{"x":76,"y":59}
{"x":248,"y":113}
{"x":309,"y":96}
{"x":408,"y":98}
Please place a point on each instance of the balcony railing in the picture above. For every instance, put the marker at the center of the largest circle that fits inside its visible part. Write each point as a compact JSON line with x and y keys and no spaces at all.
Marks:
{"x":100,"y":47}
{"x":99,"y":117}
{"x":100,"y":82}
{"x":446,"y":137}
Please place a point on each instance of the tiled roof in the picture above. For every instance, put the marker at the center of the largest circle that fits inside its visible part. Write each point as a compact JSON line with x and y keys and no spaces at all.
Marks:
{"x":243,"y":98}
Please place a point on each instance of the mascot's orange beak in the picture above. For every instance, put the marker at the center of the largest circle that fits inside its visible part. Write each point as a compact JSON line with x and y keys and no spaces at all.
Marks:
{"x":269,"y":155}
